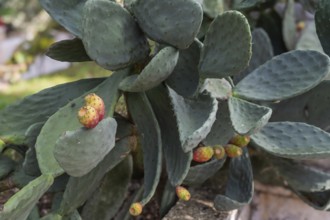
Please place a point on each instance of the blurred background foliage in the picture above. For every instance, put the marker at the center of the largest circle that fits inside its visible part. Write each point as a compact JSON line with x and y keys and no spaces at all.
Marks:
{"x":26,"y":31}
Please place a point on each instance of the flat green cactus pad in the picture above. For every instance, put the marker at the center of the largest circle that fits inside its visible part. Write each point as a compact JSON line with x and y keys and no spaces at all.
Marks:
{"x":200,"y":173}
{"x":146,"y":122}
{"x":20,"y":205}
{"x":66,"y":119}
{"x":173,"y":22}
{"x":79,"y":189}
{"x":296,"y":174}
{"x":284,"y":76}
{"x":30,"y":163}
{"x":218,"y":88}
{"x":311,"y":107}
{"x":177,"y":161}
{"x":159,"y":68}
{"x":239,"y":188}
{"x":294,"y":140}
{"x":185,"y":77}
{"x":68,"y":51}
{"x":66,"y":12}
{"x":247,"y":117}
{"x":79,"y":151}
{"x":222,"y":130}
{"x":262,"y":51}
{"x":212,"y":8}
{"x":169,"y":199}
{"x":111,"y":36}
{"x":322,"y":16}
{"x":18,"y":117}
{"x":227,"y":46}
{"x":109,"y":197}
{"x":194,"y":117}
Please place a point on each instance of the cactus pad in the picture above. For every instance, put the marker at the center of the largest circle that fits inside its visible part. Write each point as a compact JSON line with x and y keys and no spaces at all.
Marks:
{"x":79,"y":151}
{"x":200,"y":173}
{"x":284,"y":76}
{"x":247,"y":117}
{"x":262,"y":51}
{"x":195,"y":117}
{"x":108,"y":198}
{"x":293,"y":140}
{"x":159,"y":68}
{"x":79,"y":189}
{"x":185,"y":77}
{"x":177,"y":161}
{"x":227,"y":46}
{"x":20,"y":205}
{"x":66,"y":12}
{"x":111,"y":36}
{"x":173,"y":22}
{"x":146,"y":122}
{"x":222,"y":129}
{"x":68,"y":51}
{"x":239,"y":188}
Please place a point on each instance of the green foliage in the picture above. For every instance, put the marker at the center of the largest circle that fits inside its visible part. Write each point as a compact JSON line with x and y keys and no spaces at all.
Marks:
{"x":201,"y":84}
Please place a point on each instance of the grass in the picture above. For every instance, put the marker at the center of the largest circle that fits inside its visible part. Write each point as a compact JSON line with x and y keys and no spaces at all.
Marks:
{"x":27,"y":87}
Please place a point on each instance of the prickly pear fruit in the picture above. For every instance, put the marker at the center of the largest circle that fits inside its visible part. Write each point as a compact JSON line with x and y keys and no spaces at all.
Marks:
{"x":88,"y":116}
{"x":136,"y":209}
{"x":96,"y":102}
{"x":182,"y":193}
{"x":233,"y":150}
{"x":203,"y":154}
{"x":219,"y":152}
{"x":240,"y":140}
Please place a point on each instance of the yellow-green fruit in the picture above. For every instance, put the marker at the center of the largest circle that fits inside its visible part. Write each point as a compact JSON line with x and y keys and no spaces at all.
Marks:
{"x":96,"y":102}
{"x":240,"y":140}
{"x":203,"y":154}
{"x":2,"y":145}
{"x":219,"y":152}
{"x":136,"y":209}
{"x":182,"y":193}
{"x":233,"y":150}
{"x":88,"y":116}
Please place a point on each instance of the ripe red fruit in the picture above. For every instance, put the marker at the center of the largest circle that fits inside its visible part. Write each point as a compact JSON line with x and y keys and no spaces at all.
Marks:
{"x":203,"y":154}
{"x":96,"y":102}
{"x":88,"y":116}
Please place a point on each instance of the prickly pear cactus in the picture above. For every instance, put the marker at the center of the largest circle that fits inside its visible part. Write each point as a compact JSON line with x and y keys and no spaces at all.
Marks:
{"x":203,"y":91}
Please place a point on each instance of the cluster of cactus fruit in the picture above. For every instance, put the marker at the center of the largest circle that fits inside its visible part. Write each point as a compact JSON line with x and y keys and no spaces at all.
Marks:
{"x":232,"y":149}
{"x":92,"y":112}
{"x":200,"y":84}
